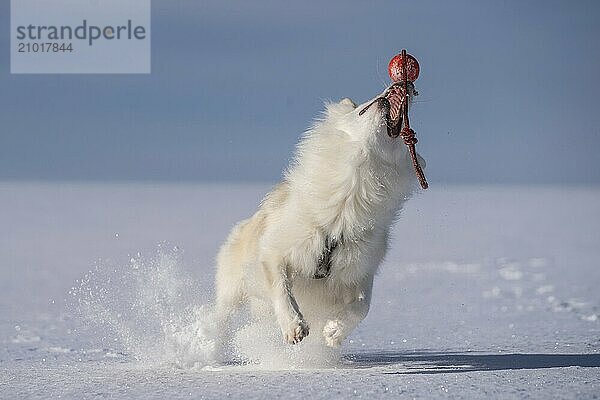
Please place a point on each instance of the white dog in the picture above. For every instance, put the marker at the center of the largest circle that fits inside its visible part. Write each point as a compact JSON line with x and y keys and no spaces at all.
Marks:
{"x":309,"y":254}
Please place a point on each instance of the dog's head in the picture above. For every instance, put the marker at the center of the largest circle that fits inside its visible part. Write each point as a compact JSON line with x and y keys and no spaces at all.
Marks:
{"x":369,"y":123}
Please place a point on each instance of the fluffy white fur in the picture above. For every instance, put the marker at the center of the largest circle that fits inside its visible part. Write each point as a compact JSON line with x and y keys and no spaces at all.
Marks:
{"x":347,"y":182}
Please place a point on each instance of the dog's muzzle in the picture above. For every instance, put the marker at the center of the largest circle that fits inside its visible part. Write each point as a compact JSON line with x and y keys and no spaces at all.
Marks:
{"x":391,"y":103}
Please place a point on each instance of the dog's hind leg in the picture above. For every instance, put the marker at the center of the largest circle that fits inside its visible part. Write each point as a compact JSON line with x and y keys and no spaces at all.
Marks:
{"x":230,"y":290}
{"x":230,"y":295}
{"x":229,"y":283}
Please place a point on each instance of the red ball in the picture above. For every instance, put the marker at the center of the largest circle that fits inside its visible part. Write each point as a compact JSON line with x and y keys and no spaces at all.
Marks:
{"x":395,"y":68}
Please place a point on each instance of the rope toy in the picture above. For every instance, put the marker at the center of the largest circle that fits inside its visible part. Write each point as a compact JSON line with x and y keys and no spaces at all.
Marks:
{"x":403,"y":70}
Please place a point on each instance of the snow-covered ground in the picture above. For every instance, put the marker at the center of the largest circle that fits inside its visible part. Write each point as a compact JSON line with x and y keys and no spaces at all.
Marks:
{"x":104,"y":291}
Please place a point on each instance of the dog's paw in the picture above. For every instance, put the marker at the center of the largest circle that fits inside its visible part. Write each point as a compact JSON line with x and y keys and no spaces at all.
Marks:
{"x":297,"y":330}
{"x":333,"y":333}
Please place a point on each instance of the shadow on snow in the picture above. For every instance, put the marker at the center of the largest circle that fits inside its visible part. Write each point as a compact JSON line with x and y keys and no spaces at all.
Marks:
{"x":428,"y":362}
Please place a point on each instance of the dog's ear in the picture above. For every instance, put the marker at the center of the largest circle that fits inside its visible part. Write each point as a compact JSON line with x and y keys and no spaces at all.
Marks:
{"x":343,"y":107}
{"x":348,"y":102}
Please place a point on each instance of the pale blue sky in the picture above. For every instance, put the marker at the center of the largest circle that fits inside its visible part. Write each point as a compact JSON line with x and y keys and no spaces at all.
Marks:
{"x":509,"y":92}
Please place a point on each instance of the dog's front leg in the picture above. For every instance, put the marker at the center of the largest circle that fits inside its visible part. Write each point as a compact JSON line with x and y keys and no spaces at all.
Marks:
{"x":354,"y":309}
{"x":293,"y":326}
